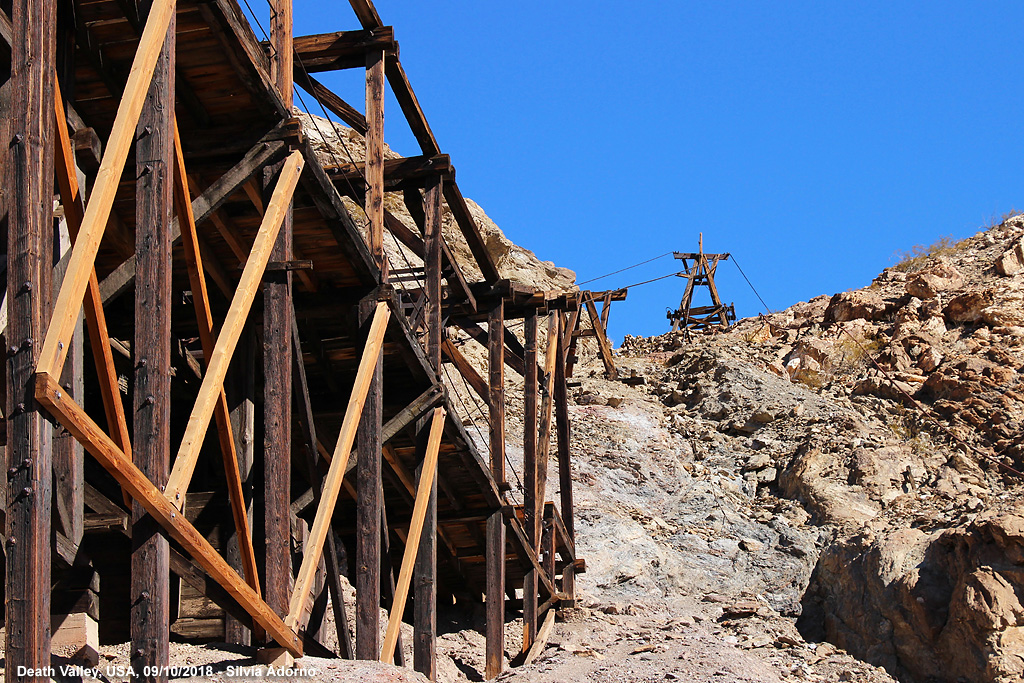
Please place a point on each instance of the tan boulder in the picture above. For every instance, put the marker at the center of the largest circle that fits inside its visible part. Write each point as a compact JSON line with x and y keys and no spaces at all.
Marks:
{"x":863,"y":303}
{"x":968,"y":307}
{"x":1011,"y":261}
{"x":940,"y":277}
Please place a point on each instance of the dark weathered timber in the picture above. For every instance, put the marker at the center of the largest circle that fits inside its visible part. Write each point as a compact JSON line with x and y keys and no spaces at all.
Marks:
{"x":425,"y":590}
{"x":68,"y":454}
{"x":374,"y":163}
{"x":402,"y":168}
{"x":530,"y":503}
{"x":241,"y":393}
{"x":366,"y":13}
{"x":368,"y":520}
{"x":154,"y":209}
{"x":410,"y":105}
{"x":495,"y":551}
{"x":428,"y":399}
{"x":387,"y":573}
{"x":29,"y":249}
{"x":495,"y":598}
{"x":456,"y":279}
{"x":466,"y":369}
{"x":604,"y":346}
{"x":562,"y":434}
{"x":332,"y":102}
{"x":277,"y":418}
{"x":341,"y":49}
{"x":512,"y":359}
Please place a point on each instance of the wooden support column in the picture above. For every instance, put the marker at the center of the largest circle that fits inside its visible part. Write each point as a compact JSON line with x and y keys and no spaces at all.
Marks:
{"x":277,"y":358}
{"x":495,"y":552}
{"x":530,"y":501}
{"x":29,"y":249}
{"x":563,"y":436}
{"x":368,"y":507}
{"x":425,"y":593}
{"x":374,"y":172}
{"x":154,"y":168}
{"x":241,"y":393}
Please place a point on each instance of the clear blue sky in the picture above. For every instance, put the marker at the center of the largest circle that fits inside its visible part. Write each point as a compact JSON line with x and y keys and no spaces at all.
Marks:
{"x":812,"y":140}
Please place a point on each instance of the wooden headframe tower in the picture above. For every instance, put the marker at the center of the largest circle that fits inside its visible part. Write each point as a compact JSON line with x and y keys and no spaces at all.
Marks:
{"x":169,"y":225}
{"x":700,"y":273}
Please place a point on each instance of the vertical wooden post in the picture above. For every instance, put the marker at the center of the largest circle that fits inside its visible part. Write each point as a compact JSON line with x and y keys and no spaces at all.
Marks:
{"x":563,"y":436}
{"x":29,"y":248}
{"x":277,"y":359}
{"x":495,"y":555}
{"x":375,"y":157}
{"x":154,"y":202}
{"x":530,"y":502}
{"x":368,"y":509}
{"x":241,"y":392}
{"x":425,"y":589}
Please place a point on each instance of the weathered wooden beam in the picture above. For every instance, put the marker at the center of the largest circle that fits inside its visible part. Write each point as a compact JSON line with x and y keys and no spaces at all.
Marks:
{"x":563,"y":436}
{"x":466,"y":369}
{"x":604,"y":346}
{"x":427,"y":476}
{"x":495,"y":552}
{"x":410,"y":105}
{"x":402,"y":168}
{"x":542,"y":639}
{"x":69,"y":300}
{"x":349,"y":115}
{"x":277,"y":348}
{"x":425,"y":595}
{"x":204,"y":319}
{"x":30,"y":259}
{"x":366,"y":13}
{"x":213,"y":381}
{"x":340,"y":49}
{"x":368,"y":364}
{"x":369,"y":505}
{"x":530,"y":504}
{"x":154,"y":206}
{"x":374,"y":162}
{"x":406,"y":416}
{"x":49,"y":393}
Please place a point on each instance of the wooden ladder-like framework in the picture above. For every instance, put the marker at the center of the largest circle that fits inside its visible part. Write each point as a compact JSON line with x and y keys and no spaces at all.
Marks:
{"x":700,"y":274}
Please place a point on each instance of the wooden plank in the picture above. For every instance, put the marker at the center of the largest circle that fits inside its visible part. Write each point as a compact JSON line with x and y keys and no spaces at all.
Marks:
{"x":542,"y":639}
{"x":411,"y":412}
{"x":603,"y":344}
{"x":342,"y":49}
{"x":464,"y":219}
{"x":369,"y":506}
{"x":69,"y":300}
{"x":99,"y":445}
{"x":414,"y":202}
{"x":213,"y":381}
{"x":387,"y":573}
{"x":426,"y":480}
{"x":282,"y":55}
{"x":204,"y":319}
{"x":606,"y":308}
{"x":374,"y":163}
{"x":154,"y":206}
{"x":530,"y":500}
{"x":496,"y":389}
{"x":466,"y":369}
{"x":29,"y":166}
{"x":332,"y":483}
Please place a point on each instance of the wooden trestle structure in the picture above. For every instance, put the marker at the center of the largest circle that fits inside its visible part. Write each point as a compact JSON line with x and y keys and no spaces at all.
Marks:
{"x":700,"y":274}
{"x":166,"y":217}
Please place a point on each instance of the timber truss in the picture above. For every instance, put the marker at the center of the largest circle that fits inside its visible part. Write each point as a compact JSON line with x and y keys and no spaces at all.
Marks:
{"x":205,"y":258}
{"x":701,"y":273}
